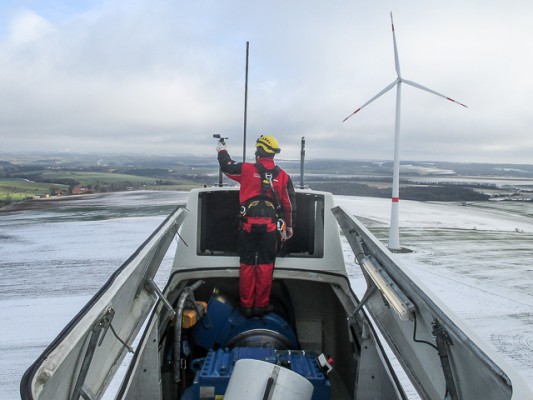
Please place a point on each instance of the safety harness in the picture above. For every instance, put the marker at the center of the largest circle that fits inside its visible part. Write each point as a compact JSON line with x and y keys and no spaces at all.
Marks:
{"x":262,"y":205}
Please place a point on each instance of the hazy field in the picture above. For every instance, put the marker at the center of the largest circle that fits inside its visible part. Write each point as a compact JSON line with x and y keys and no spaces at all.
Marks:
{"x":90,"y":178}
{"x":19,"y":189}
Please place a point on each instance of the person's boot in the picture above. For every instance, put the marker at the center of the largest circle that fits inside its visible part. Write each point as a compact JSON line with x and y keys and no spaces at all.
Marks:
{"x":248,"y":312}
{"x":260,"y":311}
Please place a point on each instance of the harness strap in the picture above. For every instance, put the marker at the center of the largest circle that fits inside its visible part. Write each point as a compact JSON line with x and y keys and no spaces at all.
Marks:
{"x":259,"y":207}
{"x":267,"y":177}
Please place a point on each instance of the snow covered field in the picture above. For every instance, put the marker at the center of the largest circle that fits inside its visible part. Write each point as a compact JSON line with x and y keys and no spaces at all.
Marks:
{"x":477,"y":257}
{"x":53,"y":260}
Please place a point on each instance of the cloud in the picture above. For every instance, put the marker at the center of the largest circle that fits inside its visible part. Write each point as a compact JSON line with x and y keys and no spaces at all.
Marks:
{"x":28,"y":27}
{"x":163,"y":76}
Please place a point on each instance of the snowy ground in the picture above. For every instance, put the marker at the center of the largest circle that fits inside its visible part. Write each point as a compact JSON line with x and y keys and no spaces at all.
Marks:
{"x":53,"y":260}
{"x":476,"y":257}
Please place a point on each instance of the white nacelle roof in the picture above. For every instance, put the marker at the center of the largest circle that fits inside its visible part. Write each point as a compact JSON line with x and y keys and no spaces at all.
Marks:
{"x":332,"y":259}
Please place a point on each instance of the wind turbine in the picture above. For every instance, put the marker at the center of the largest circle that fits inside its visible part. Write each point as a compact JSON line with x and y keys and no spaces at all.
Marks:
{"x":394,"y":234}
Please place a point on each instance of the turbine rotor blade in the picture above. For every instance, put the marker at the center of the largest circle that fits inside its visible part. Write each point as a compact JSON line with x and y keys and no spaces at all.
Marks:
{"x":418,"y":86}
{"x":396,"y":58}
{"x":389,"y":87}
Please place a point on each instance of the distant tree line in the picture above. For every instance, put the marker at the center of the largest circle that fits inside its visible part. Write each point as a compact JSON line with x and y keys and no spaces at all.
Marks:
{"x":419,"y":193}
{"x":148,"y":172}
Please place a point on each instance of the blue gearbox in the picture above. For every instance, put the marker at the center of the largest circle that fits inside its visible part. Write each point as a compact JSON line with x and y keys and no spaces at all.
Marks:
{"x":225,"y":326}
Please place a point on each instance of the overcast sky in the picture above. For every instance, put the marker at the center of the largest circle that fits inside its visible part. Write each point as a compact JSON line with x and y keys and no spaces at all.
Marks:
{"x":161,"y":76}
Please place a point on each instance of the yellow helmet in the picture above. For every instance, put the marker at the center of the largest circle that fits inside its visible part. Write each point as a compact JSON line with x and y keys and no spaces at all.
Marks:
{"x":268,"y":143}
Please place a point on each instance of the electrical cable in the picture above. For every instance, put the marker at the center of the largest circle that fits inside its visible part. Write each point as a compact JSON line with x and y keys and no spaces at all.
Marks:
{"x":130,"y":349}
{"x":421,"y":341}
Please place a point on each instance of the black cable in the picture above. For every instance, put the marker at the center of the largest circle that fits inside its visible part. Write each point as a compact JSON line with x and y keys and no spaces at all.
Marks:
{"x":130,"y":349}
{"x":184,"y":242}
{"x":429,"y":344}
{"x":422,"y":341}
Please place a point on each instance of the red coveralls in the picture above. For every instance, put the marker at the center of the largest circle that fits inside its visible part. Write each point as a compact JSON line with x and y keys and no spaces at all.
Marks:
{"x":258,"y":237}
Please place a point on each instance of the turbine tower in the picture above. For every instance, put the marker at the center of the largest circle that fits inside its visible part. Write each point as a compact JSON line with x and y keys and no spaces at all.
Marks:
{"x":394,"y":233}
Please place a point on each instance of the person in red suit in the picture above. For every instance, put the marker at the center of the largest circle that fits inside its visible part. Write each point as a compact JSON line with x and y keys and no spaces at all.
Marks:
{"x":267,"y":200}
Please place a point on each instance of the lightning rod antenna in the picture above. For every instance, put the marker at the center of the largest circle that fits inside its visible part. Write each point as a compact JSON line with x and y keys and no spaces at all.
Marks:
{"x":302,"y":157}
{"x":245,"y":102}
